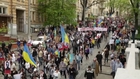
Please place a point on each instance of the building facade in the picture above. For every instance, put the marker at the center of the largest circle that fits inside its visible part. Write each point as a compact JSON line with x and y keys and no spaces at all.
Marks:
{"x":95,"y":10}
{"x":14,"y":13}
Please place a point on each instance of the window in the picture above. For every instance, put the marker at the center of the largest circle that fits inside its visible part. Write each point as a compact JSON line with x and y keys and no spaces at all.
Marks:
{"x":34,"y":1}
{"x":3,"y":10}
{"x":31,"y":1}
{"x":39,"y":17}
{"x":33,"y":16}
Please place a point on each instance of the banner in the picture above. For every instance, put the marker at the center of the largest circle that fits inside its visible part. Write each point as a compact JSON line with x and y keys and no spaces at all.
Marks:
{"x":92,"y":29}
{"x":62,"y":46}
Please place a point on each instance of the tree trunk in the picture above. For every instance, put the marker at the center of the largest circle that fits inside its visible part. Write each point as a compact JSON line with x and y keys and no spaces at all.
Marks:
{"x":136,"y":20}
{"x":83,"y":16}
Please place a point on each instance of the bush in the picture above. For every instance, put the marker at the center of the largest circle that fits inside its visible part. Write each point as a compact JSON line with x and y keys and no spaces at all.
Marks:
{"x":3,"y":30}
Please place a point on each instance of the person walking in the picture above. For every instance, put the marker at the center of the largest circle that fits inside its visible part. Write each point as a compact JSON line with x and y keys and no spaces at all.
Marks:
{"x":106,"y":54}
{"x":112,"y":65}
{"x":78,"y":59}
{"x":72,"y":72}
{"x":89,"y":73}
{"x":99,"y":59}
{"x":63,"y":68}
{"x":87,"y":52}
{"x":56,"y":74}
{"x":95,"y":66}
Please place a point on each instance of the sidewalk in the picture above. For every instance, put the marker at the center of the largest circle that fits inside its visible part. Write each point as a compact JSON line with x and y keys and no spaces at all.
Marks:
{"x":106,"y":70}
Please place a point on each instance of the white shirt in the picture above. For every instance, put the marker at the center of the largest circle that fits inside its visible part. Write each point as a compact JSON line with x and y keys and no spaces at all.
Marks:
{"x":27,"y":65}
{"x":118,"y":65}
{"x":13,"y":66}
{"x":111,"y":41}
{"x":56,"y":75}
{"x":45,"y":52}
{"x":7,"y":64}
{"x":49,"y":57}
{"x":13,"y":58}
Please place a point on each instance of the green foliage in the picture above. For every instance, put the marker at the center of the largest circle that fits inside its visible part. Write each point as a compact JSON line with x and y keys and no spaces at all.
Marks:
{"x":124,"y":5}
{"x":7,"y":42}
{"x":121,"y":5}
{"x":3,"y":28}
{"x":58,"y":11}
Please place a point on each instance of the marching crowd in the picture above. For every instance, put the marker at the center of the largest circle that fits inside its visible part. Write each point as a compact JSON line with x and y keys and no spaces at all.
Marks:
{"x":56,"y":62}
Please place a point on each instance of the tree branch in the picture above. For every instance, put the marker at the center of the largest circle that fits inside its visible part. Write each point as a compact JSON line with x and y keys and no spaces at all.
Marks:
{"x":94,"y":3}
{"x":132,"y":3}
{"x":86,"y":2}
{"x":82,"y":3}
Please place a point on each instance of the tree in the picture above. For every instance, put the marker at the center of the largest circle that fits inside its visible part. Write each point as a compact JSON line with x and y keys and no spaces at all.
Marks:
{"x":86,"y":4}
{"x":58,"y":11}
{"x":111,"y":6}
{"x":135,"y":9}
{"x":129,"y":6}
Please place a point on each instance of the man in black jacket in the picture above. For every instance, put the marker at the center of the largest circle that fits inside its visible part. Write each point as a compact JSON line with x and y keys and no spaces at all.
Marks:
{"x":89,"y":73}
{"x":133,"y":30}
{"x":57,"y":61}
{"x":3,"y":45}
{"x":34,"y":54}
{"x":99,"y":59}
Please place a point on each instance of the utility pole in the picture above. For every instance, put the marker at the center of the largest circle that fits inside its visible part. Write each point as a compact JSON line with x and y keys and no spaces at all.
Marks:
{"x":29,"y":19}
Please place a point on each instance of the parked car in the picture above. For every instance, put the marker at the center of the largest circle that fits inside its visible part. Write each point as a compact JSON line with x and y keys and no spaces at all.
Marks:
{"x":38,"y":41}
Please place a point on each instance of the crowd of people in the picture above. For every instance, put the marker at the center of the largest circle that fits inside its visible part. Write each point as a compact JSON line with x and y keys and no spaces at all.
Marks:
{"x":66,"y":62}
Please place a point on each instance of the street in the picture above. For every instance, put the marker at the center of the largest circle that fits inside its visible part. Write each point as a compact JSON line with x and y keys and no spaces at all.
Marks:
{"x":106,"y":69}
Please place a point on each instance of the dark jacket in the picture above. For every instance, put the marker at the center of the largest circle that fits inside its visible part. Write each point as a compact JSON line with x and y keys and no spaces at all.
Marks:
{"x":89,"y":74}
{"x":3,"y":45}
{"x":34,"y":53}
{"x":44,"y":76}
{"x":71,"y":71}
{"x":57,"y":61}
{"x":99,"y":58}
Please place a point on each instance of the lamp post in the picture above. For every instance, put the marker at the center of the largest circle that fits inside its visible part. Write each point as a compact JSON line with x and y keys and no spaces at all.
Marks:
{"x":29,"y":20}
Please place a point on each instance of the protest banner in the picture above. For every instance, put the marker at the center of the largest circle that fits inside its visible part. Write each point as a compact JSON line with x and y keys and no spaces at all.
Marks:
{"x":92,"y":29}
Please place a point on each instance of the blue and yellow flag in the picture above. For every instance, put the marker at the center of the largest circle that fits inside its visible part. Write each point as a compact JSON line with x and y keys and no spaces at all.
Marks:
{"x":28,"y":56}
{"x":100,"y":22}
{"x":64,"y":36}
{"x":57,"y":53}
{"x":94,"y":24}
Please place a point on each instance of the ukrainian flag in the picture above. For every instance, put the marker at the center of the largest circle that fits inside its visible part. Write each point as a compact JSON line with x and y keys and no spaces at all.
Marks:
{"x":27,"y":56}
{"x":94,"y":24}
{"x":57,"y":53}
{"x":100,"y":22}
{"x":64,"y":36}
